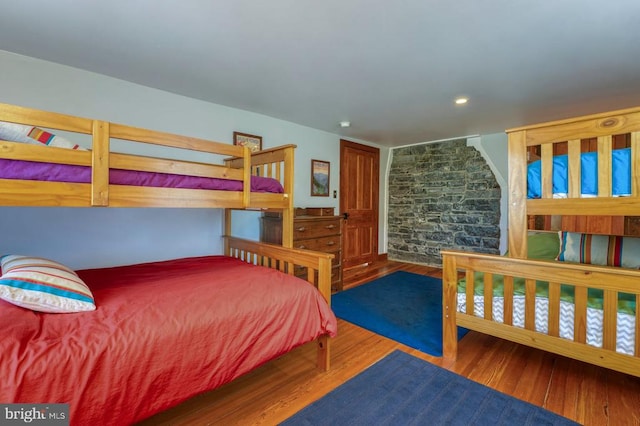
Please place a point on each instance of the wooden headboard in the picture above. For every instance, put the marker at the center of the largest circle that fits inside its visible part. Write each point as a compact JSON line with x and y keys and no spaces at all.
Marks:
{"x":604,"y":213}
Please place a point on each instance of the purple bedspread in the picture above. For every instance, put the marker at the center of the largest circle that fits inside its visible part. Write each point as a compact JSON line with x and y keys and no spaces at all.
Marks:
{"x":31,"y":170}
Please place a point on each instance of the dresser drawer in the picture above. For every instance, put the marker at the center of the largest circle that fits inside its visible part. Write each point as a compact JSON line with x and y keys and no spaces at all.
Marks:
{"x":317,"y":228}
{"x":329,"y":244}
{"x":326,"y":211}
{"x":314,"y":228}
{"x":314,"y":211}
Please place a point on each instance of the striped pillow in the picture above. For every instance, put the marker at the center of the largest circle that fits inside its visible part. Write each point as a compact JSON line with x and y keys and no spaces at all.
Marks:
{"x":609,"y":250}
{"x":43,"y":285}
{"x":14,"y":132}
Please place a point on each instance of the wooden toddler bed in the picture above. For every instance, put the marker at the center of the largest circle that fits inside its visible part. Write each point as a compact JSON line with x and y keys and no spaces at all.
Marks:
{"x":137,"y":339}
{"x":580,"y":301}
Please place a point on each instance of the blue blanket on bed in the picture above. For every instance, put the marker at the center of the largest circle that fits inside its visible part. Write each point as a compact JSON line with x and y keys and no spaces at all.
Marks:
{"x":620,"y":174}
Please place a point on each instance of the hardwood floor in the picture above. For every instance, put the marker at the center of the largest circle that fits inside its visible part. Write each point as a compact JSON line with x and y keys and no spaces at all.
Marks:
{"x":584,"y":393}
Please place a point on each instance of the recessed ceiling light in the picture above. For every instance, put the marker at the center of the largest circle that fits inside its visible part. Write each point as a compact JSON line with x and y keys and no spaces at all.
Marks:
{"x":345,"y":123}
{"x":461,"y":100}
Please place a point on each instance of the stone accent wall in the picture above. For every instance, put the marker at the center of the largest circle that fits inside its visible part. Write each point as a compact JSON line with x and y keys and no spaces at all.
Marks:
{"x":441,"y":196}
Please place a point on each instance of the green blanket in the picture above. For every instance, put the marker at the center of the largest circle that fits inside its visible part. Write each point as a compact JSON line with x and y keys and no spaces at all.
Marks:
{"x":545,"y":246}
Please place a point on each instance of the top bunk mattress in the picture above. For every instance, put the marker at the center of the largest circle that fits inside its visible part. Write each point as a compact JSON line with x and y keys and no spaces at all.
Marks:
{"x":620,"y":175}
{"x":37,"y":171}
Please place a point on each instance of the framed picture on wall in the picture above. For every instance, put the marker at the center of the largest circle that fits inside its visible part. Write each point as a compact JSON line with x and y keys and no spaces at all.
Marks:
{"x":319,"y":178}
{"x":252,"y":141}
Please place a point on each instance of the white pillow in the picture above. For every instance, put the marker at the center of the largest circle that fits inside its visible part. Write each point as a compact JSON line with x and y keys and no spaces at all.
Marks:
{"x":43,"y":285}
{"x":33,"y":135}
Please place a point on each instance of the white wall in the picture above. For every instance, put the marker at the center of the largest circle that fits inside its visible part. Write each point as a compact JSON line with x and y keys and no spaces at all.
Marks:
{"x":383,"y":228}
{"x":100,"y":237}
{"x":493,"y":148}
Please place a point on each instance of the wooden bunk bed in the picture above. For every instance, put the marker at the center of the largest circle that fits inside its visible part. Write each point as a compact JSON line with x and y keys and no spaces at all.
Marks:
{"x":481,"y":292}
{"x":100,"y":192}
{"x":88,"y":178}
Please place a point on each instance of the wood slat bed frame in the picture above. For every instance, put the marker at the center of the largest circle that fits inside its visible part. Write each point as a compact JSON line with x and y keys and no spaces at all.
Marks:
{"x":611,"y":280}
{"x":238,"y":164}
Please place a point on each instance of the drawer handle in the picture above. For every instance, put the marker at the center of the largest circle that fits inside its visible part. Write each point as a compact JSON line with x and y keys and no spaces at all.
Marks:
{"x":301,"y":229}
{"x":331,"y":243}
{"x":302,"y":247}
{"x":330,"y":226}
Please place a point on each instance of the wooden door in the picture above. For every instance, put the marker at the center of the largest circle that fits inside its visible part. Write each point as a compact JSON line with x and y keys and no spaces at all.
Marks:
{"x":359,"y":194}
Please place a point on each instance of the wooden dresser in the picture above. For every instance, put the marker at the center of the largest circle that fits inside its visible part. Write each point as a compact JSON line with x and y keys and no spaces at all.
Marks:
{"x":314,"y":228}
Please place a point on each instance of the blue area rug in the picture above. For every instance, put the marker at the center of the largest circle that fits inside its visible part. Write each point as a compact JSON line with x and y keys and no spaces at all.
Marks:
{"x":402,"y":306}
{"x":404,"y":390}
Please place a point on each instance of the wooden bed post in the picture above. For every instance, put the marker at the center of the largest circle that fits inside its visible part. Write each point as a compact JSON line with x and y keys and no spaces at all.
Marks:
{"x":227,"y":231}
{"x":324,"y":286}
{"x":449,"y":307}
{"x":100,"y":164}
{"x":287,"y":213}
{"x":517,"y":227}
{"x":246,"y":193}
{"x":246,"y":167}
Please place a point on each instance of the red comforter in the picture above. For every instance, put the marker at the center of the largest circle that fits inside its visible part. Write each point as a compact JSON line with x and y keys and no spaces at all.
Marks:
{"x":162,"y":332}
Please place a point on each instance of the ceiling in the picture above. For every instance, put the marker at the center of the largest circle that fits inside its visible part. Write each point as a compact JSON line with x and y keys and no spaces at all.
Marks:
{"x":392,"y":69}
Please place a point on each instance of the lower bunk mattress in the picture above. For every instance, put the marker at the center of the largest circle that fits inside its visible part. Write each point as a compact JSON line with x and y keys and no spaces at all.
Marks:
{"x":161,"y":333}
